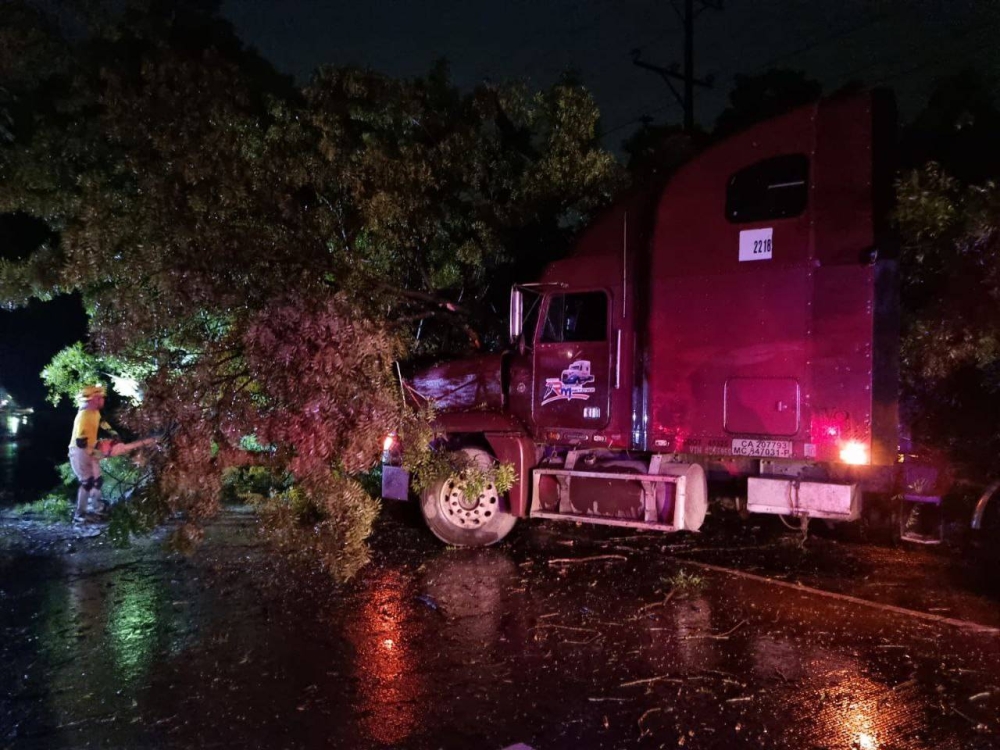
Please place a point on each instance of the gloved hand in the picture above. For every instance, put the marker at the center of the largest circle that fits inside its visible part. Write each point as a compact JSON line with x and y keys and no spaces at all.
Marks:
{"x":106,"y":447}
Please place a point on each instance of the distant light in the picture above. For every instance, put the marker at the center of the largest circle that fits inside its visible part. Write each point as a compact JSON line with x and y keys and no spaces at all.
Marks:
{"x":866,"y":742}
{"x":388,"y":643}
{"x":12,"y":424}
{"x":389,"y":441}
{"x":854,"y":453}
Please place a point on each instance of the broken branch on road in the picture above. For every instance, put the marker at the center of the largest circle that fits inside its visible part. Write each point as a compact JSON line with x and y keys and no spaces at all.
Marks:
{"x":718,"y":637}
{"x":571,"y":560}
{"x":648,"y":680}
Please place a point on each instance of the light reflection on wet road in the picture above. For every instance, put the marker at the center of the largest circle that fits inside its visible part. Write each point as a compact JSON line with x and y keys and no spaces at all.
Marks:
{"x":441,"y":648}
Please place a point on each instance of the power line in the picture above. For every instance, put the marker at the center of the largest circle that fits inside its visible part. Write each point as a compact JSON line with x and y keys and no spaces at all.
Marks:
{"x":816,"y":44}
{"x":718,"y":90}
{"x":687,"y":78}
{"x":823,"y":41}
{"x":635,"y":120}
{"x":564,"y":35}
{"x":986,"y":43}
{"x":595,"y":51}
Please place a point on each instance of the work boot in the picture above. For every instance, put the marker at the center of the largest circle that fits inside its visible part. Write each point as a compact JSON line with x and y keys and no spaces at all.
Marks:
{"x":82,"y":498}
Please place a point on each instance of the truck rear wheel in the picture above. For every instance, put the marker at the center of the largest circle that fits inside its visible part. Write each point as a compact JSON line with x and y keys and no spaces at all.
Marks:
{"x":467,"y":521}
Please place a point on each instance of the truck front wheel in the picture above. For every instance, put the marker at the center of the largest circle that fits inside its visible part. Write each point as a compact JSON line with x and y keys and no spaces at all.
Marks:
{"x":467,"y":521}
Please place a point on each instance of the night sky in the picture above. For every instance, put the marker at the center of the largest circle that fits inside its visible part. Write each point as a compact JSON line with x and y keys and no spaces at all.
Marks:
{"x":904,"y":44}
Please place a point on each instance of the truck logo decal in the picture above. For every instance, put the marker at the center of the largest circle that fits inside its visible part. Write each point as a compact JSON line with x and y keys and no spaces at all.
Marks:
{"x":573,"y":384}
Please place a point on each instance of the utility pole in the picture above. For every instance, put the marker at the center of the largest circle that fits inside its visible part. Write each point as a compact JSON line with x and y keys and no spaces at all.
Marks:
{"x":667,"y":74}
{"x":689,"y":66}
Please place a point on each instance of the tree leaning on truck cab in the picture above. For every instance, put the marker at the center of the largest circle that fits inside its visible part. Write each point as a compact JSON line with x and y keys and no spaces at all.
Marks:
{"x":264,"y":253}
{"x":260,"y":253}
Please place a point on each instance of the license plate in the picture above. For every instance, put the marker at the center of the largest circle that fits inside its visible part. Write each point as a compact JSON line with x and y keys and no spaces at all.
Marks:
{"x":762,"y":448}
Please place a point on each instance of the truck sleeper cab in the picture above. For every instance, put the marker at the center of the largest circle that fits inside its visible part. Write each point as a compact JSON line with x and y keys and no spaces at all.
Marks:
{"x":742,"y":321}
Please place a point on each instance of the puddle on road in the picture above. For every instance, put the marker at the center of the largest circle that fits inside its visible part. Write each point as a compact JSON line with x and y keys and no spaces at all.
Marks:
{"x":441,"y":648}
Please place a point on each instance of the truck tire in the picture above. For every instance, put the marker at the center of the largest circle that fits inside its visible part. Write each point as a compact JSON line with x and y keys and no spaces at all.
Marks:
{"x":461,"y":522}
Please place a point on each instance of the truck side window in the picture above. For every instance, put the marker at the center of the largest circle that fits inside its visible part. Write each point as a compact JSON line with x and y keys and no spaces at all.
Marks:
{"x":576,"y":317}
{"x":775,"y":188}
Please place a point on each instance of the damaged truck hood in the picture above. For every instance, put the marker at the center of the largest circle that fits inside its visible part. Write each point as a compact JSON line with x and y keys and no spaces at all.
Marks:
{"x":473,"y":383}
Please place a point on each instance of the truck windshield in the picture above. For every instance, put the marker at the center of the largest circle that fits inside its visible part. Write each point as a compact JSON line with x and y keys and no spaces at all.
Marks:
{"x":576,"y":317}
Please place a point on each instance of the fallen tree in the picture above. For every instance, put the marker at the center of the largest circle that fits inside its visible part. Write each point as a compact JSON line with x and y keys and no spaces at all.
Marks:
{"x":258,"y":254}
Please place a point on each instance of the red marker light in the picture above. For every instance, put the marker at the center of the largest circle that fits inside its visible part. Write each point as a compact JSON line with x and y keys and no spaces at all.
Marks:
{"x":853,"y":452}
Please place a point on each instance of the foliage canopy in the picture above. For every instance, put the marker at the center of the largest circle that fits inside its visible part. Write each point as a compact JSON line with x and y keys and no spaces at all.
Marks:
{"x":950,"y":352}
{"x":260,"y":253}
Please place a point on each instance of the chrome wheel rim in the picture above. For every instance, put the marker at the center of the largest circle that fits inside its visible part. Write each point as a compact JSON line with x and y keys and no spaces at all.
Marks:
{"x":467,"y":512}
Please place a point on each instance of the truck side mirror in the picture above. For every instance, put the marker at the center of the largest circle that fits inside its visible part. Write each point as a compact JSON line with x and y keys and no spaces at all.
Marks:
{"x":516,"y":314}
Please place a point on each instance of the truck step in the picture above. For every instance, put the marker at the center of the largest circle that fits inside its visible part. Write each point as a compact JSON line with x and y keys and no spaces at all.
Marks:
{"x":636,"y":524}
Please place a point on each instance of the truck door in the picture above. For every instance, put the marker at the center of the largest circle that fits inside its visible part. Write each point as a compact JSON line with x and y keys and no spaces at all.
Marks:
{"x":572,"y":362}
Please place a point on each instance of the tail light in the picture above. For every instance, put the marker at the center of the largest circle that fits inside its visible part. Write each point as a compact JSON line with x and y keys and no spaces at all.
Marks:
{"x":854,"y":452}
{"x":838,"y":438}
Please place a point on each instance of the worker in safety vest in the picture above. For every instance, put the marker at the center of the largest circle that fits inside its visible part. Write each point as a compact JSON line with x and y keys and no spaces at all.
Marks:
{"x":84,"y":452}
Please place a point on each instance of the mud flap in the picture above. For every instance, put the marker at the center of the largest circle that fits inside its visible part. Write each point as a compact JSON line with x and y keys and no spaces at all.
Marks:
{"x":395,"y":483}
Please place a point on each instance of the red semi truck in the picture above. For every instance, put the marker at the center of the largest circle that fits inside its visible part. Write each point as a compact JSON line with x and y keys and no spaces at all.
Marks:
{"x":741,"y":322}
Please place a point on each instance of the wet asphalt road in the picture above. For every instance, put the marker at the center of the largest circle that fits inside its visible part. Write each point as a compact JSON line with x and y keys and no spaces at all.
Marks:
{"x":561,"y":637}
